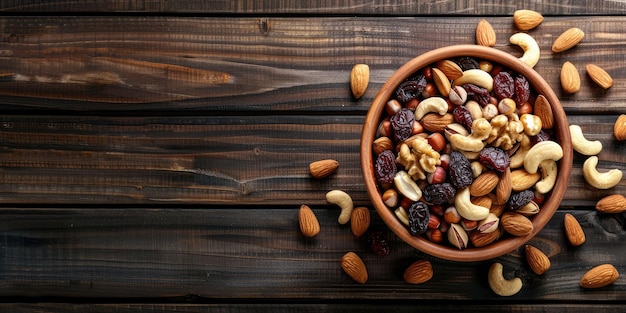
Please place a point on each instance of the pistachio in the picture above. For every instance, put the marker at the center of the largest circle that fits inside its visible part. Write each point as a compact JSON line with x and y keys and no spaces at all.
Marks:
{"x":458,"y":95}
{"x":489,"y":224}
{"x":457,"y":236}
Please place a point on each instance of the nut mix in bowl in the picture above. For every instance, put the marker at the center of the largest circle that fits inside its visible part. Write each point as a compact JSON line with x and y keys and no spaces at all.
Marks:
{"x":466,"y":153}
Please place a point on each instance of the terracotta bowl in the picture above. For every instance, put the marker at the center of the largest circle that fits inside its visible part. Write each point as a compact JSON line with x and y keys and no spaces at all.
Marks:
{"x":376,"y":113}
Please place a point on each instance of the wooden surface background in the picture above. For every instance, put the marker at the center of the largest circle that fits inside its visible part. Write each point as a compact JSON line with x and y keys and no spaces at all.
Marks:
{"x":154,"y":154}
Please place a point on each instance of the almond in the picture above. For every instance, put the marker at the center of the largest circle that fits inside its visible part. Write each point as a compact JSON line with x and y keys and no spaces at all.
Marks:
{"x":599,"y":276}
{"x":544,"y":111}
{"x":479,"y":239}
{"x":450,"y":68}
{"x":568,"y":39}
{"x":484,"y":183}
{"x":619,"y":128}
{"x":573,"y":230}
{"x":527,"y":19}
{"x":612,"y":204}
{"x":323,"y":168}
{"x":570,"y":79}
{"x":352,"y":265}
{"x":516,"y":224}
{"x":309,"y":225}
{"x":485,"y":35}
{"x":537,"y":260}
{"x":599,"y":76}
{"x":360,"y":221}
{"x":359,"y":79}
{"x":522,"y":180}
{"x":441,"y":81}
{"x":381,"y":144}
{"x":503,"y":189}
{"x":418,"y":272}
{"x":436,"y":123}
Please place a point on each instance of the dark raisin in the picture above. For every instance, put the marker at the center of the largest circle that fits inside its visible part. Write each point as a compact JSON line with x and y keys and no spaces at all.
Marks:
{"x":419,"y":214}
{"x":462,"y":116}
{"x":494,"y":158}
{"x":402,"y":124}
{"x":519,"y":199}
{"x":541,"y":136}
{"x":439,"y":193}
{"x":460,"y":170}
{"x":378,"y":243}
{"x":385,"y":167}
{"x":503,"y":85}
{"x":411,"y":88}
{"x":467,"y":63}
{"x":522,"y":90}
{"x":479,"y":94}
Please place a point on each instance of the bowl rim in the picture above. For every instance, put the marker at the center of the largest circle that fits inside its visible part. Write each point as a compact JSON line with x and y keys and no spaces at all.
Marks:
{"x":562,"y":136}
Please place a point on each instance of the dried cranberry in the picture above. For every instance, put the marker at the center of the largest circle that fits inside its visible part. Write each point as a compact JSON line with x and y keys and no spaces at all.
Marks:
{"x":402,"y":124}
{"x":462,"y":116}
{"x":520,"y":199}
{"x":522,"y":90}
{"x":419,"y":214}
{"x":439,"y":193}
{"x":503,"y":85}
{"x":494,"y":158}
{"x":460,"y":170}
{"x":378,"y":243}
{"x":411,"y":88}
{"x":385,"y":167}
{"x":479,"y":94}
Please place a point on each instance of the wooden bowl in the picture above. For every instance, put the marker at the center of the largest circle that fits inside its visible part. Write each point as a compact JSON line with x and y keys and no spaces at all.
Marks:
{"x":561,"y":135}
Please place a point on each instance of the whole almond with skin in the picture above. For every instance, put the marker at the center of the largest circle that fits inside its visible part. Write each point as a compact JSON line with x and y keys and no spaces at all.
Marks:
{"x":359,"y":79}
{"x":516,"y":224}
{"x":619,"y":128}
{"x":436,"y":123}
{"x":352,"y":265}
{"x":573,"y":230}
{"x":309,"y":225}
{"x":612,"y":204}
{"x":544,"y":111}
{"x":527,"y":19}
{"x":485,"y":35}
{"x":570,"y":79}
{"x":484,"y":183}
{"x":568,"y":39}
{"x":599,"y":76}
{"x":522,"y":180}
{"x":381,"y":144}
{"x":599,"y":276}
{"x":450,"y":68}
{"x":503,"y":189}
{"x":360,"y":221}
{"x":418,"y":272}
{"x":537,"y":260}
{"x":479,"y":239}
{"x":323,"y":168}
{"x":441,"y":81}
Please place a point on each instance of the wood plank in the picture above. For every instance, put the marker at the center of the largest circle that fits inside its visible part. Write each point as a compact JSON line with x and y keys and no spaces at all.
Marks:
{"x":210,"y":160}
{"x":156,"y":64}
{"x":404,"y":7}
{"x":258,"y":253}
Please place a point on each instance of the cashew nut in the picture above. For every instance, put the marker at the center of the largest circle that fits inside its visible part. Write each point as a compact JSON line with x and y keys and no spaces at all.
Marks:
{"x":344,"y":201}
{"x":407,"y":186}
{"x":581,"y":144}
{"x":604,"y":180}
{"x":481,"y":128}
{"x":530,"y":47}
{"x":433,"y":104}
{"x":545,"y":150}
{"x":474,"y":108}
{"x":477,"y":77}
{"x":500,"y":285}
{"x":467,"y":209}
{"x":548,"y":176}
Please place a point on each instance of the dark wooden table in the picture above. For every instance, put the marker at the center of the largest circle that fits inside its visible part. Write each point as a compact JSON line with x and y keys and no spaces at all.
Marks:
{"x":154,"y":155}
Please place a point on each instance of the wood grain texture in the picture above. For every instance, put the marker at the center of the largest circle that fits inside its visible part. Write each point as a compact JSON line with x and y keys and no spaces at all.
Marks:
{"x":117,"y":63}
{"x":231,"y":253}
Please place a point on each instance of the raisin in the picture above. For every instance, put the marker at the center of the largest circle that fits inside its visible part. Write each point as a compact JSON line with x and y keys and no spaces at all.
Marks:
{"x":460,"y":170}
{"x":503,"y":85}
{"x":479,"y":94}
{"x":462,"y":116}
{"x":402,"y":124}
{"x":494,"y":158}
{"x":541,"y":136}
{"x":378,"y":243}
{"x":411,"y":88}
{"x":522,"y":90}
{"x":519,"y":199}
{"x":439,"y":193}
{"x":419,"y":214}
{"x":467,"y":63}
{"x":385,"y":167}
